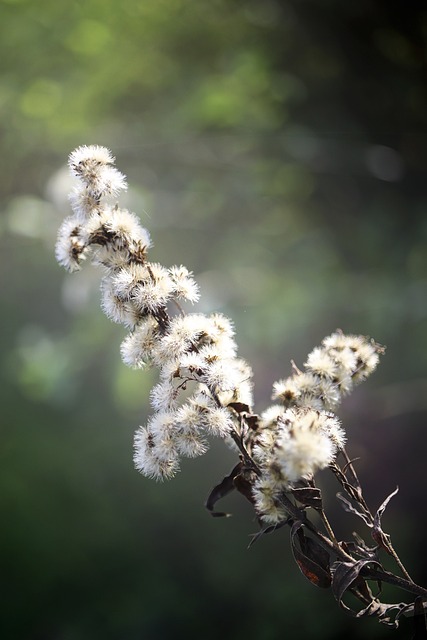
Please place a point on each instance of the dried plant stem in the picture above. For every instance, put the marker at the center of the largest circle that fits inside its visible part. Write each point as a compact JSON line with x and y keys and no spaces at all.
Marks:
{"x":381,"y":575}
{"x":398,"y":561}
{"x":328,"y":527}
{"x":386,"y":540}
{"x":356,"y":483}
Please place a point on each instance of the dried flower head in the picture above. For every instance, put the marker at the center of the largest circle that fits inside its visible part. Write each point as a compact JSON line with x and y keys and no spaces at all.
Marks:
{"x":203,"y":388}
{"x":195,"y":354}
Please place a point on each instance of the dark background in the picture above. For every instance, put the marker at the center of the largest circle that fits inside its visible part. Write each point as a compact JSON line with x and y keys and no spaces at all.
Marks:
{"x":277,"y":149}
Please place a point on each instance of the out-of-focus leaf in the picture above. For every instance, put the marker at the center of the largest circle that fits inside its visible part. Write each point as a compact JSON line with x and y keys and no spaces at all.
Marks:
{"x":312,"y":559}
{"x":252,"y":421}
{"x":239,"y":407}
{"x":420,"y":627}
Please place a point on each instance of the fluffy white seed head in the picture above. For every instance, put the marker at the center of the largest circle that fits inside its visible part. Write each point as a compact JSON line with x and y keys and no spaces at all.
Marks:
{"x":219,"y":421}
{"x":153,"y":290}
{"x":163,"y":427}
{"x":219,"y":375}
{"x":126,"y":228}
{"x":87,"y":156}
{"x":192,"y":365}
{"x":267,"y":501}
{"x":124,"y":281}
{"x":137,"y":348}
{"x":263,"y":450}
{"x":185,"y":287}
{"x":93,"y":165}
{"x":330,"y":425}
{"x":84,"y":201}
{"x":331,"y":372}
{"x":355,"y":355}
{"x":182,"y":335}
{"x":303,"y":447}
{"x":70,"y":247}
{"x":147,"y":459}
{"x":367,"y":361}
{"x":190,"y":417}
{"x":116,"y":307}
{"x":270,"y":416}
{"x":287,"y":391}
{"x":329,"y":393}
{"x":191,"y":444}
{"x":163,"y":396}
{"x":321,"y":364}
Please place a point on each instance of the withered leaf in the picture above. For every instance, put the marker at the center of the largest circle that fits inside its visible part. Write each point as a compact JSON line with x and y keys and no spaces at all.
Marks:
{"x":270,"y":529}
{"x":387,"y":614}
{"x":345,"y":575}
{"x":239,"y":407}
{"x":378,"y":534}
{"x":383,"y":506}
{"x":222,"y":489}
{"x":311,"y":558}
{"x":353,"y":491}
{"x":251,"y":419}
{"x":347,"y":506}
{"x":308,"y":496}
{"x":244,"y":487}
{"x":359,"y":548}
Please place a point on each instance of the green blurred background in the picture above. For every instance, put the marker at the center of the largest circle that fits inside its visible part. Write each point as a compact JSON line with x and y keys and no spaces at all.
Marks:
{"x":277,"y":149}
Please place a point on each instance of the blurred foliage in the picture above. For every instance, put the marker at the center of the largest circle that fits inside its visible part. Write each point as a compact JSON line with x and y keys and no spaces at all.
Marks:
{"x":278,"y":150}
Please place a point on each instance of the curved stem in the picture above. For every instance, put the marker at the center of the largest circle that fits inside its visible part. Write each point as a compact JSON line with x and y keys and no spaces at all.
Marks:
{"x":373,"y":573}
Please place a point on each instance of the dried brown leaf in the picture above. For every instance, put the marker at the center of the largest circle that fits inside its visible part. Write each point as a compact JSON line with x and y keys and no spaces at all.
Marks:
{"x":381,"y":538}
{"x":222,"y":489}
{"x":346,"y":576}
{"x":311,"y":558}
{"x":308,"y":496}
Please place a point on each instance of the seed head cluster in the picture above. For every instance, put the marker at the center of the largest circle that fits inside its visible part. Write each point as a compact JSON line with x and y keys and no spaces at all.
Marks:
{"x":331,"y":372}
{"x":199,"y":371}
{"x":299,"y":434}
{"x":204,"y":389}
